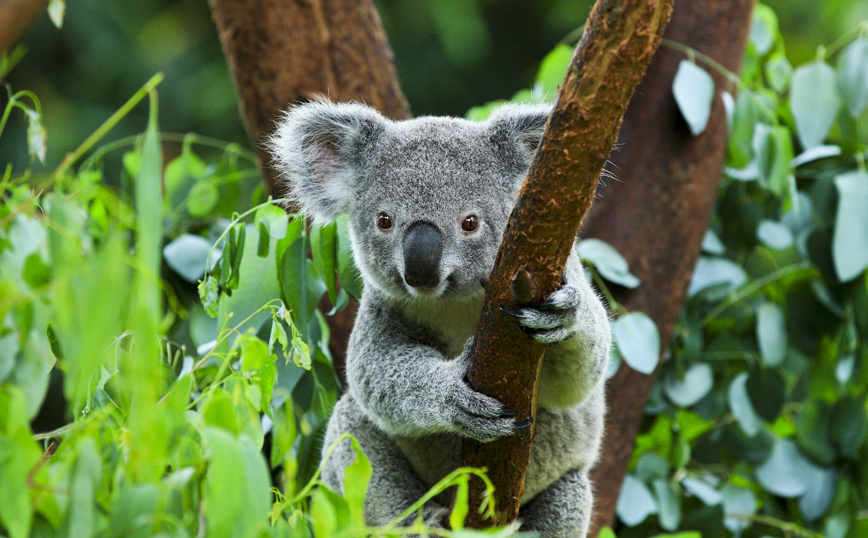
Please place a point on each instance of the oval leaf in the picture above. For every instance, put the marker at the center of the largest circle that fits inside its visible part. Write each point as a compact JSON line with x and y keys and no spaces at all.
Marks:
{"x":787,"y":473}
{"x":774,"y":235}
{"x":635,"y":502}
{"x":814,"y":102}
{"x":697,"y":382}
{"x":187,"y":256}
{"x":771,"y":333}
{"x":638,"y":341}
{"x":739,"y":404}
{"x":853,"y":75}
{"x":850,"y":242}
{"x":693,"y":88}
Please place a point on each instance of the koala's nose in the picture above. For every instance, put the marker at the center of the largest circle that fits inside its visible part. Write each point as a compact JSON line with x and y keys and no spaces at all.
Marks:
{"x":423,"y":246}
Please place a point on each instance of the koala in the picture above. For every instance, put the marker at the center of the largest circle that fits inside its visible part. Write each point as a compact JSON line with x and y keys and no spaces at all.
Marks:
{"x":427,"y":202}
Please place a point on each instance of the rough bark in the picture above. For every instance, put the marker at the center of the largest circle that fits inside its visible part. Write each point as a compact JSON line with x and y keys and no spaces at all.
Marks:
{"x":282,"y":52}
{"x":656,"y":215}
{"x":619,"y":41}
{"x":16,"y":17}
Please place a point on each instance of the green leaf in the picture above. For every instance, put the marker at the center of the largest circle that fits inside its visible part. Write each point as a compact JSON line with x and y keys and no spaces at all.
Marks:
{"x":704,"y":491}
{"x":8,"y":351}
{"x":35,"y":272}
{"x":83,"y":488}
{"x":815,"y":154}
{"x":698,"y":381}
{"x":202,"y":198}
{"x":638,"y":341}
{"x":849,"y":426}
{"x":693,"y":89}
{"x":635,"y":502}
{"x":610,"y":264}
{"x":283,"y":435}
{"x":209,"y":294}
{"x":181,"y":174}
{"x":324,"y":247}
{"x":256,"y":359}
{"x":775,"y":235}
{"x":778,"y":72}
{"x":187,"y":256}
{"x":670,"y":504}
{"x":713,"y":272}
{"x":774,"y":154}
{"x":348,"y":273}
{"x":822,"y":484}
{"x":771,"y":332}
{"x":767,"y":391}
{"x":744,"y":118}
{"x":19,"y":455}
{"x":764,"y":29}
{"x":553,"y":68}
{"x":357,"y":475}
{"x":218,"y":410}
{"x":712,"y":244}
{"x":133,"y":512}
{"x":742,"y":409}
{"x":853,"y":75}
{"x":850,"y":242}
{"x":738,"y":501}
{"x":814,"y":102}
{"x":787,"y":473}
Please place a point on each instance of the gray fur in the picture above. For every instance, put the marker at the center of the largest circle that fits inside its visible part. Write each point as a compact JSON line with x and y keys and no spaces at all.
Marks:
{"x":407,"y":401}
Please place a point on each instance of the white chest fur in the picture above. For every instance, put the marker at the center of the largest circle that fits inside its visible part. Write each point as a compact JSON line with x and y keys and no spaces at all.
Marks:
{"x":453,"y":320}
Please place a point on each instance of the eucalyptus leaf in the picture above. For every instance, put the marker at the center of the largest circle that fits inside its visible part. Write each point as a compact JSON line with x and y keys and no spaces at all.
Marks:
{"x":608,"y":261}
{"x":187,"y":255}
{"x":767,"y":391}
{"x":821,"y":492}
{"x":853,"y":75}
{"x":712,"y":271}
{"x":778,"y":72}
{"x":638,"y":341}
{"x":850,"y":241}
{"x":712,"y":244}
{"x":771,"y":332}
{"x":707,"y":493}
{"x":670,"y":505}
{"x":814,"y":102}
{"x":693,"y":89}
{"x":849,"y":426}
{"x":775,"y":235}
{"x":738,"y":501}
{"x":635,"y":502}
{"x":815,"y":154}
{"x":774,"y":154}
{"x":742,"y":409}
{"x":764,"y":28}
{"x":698,"y":381}
{"x":787,"y":473}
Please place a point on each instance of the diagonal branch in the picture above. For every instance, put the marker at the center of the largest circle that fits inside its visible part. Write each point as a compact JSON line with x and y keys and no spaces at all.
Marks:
{"x":620,"y":39}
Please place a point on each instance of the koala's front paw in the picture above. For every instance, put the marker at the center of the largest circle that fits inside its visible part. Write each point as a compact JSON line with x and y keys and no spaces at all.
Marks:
{"x":475,"y":415}
{"x":552,"y":321}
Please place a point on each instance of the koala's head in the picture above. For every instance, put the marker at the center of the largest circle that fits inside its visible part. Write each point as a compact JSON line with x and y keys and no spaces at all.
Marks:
{"x":427,"y":199}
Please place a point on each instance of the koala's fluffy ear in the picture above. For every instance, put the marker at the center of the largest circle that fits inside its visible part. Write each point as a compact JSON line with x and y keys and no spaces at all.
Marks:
{"x":318,"y":149}
{"x":515,"y":131}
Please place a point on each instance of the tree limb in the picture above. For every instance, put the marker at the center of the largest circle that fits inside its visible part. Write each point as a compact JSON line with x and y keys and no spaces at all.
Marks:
{"x":657,"y":214}
{"x":619,"y":41}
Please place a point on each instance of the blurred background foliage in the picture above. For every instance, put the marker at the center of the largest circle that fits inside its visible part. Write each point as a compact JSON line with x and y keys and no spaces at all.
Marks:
{"x":450,"y":54}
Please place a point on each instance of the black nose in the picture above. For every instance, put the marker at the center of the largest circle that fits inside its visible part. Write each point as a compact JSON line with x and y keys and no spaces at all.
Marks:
{"x":423,"y":246}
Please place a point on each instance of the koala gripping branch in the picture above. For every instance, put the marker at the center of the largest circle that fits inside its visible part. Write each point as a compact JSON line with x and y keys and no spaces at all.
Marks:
{"x":620,"y":39}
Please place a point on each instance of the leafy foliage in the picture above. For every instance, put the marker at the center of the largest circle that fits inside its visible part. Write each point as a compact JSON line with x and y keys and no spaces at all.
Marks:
{"x":175,"y":311}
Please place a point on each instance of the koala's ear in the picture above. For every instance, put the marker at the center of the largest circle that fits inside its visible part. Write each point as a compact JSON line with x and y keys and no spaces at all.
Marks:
{"x":515,"y":131}
{"x":319,"y":148}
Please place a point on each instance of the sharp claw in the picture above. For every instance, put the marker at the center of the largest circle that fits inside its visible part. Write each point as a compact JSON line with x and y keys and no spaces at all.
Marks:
{"x":527,"y":330}
{"x":507,"y":413}
{"x":509,"y":312}
{"x":527,"y":423}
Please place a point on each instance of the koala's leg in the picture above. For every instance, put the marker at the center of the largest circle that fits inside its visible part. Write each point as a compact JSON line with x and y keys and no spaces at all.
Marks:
{"x":394,"y":485}
{"x":562,"y":510}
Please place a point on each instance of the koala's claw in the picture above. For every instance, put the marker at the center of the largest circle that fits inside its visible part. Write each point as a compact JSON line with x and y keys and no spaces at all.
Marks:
{"x":552,"y":320}
{"x":527,"y":423}
{"x":506,"y":413}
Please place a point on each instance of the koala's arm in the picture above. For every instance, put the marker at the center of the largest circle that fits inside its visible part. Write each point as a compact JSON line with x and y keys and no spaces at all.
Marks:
{"x":411,"y":389}
{"x":572,"y":369}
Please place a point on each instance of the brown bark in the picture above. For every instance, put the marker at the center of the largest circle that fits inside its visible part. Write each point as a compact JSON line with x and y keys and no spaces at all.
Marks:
{"x":282,"y":52}
{"x":619,"y":41}
{"x":657,"y":214}
{"x":16,"y":16}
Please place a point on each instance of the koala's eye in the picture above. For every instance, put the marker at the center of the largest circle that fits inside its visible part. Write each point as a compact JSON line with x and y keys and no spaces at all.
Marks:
{"x":384,"y":221}
{"x":470,"y":223}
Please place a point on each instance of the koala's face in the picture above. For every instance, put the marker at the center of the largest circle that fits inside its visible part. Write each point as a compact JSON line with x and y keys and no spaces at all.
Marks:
{"x":427,"y":199}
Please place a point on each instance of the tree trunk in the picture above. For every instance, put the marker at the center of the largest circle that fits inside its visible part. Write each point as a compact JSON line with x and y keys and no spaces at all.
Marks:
{"x":16,"y":17}
{"x":282,"y":52}
{"x":619,"y":41}
{"x":657,"y":214}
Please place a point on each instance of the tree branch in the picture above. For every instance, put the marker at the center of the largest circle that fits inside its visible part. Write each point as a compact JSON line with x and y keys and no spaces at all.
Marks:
{"x":619,"y":41}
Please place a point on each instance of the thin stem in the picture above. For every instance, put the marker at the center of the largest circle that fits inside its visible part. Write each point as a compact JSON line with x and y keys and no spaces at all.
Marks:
{"x":604,"y":289}
{"x":785,"y":526}
{"x":709,"y":61}
{"x":844,"y":40}
{"x":754,"y":287}
{"x":228,"y":147}
{"x":107,"y":125}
